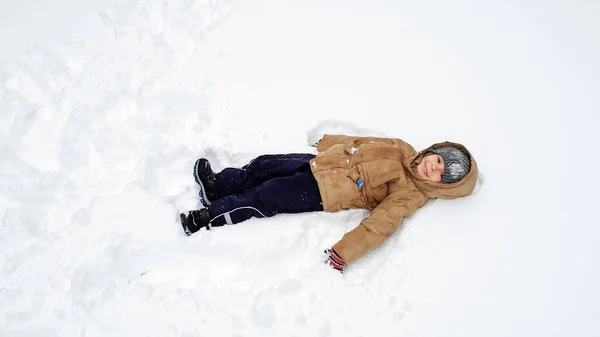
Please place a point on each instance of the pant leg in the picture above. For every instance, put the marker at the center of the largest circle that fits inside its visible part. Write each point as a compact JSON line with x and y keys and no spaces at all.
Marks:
{"x":293,"y":194}
{"x":261,"y":169}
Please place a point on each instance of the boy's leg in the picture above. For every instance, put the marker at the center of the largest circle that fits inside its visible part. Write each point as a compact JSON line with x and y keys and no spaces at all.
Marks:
{"x":261,"y":169}
{"x":293,"y":194}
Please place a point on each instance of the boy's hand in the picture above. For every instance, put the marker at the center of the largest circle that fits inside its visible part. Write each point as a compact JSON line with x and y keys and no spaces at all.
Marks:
{"x":334,"y":260}
{"x":316,"y":143}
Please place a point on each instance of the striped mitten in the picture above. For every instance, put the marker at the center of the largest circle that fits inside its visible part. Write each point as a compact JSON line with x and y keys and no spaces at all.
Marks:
{"x":334,"y":260}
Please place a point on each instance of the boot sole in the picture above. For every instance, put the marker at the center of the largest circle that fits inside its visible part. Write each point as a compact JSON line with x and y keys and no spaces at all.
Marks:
{"x":185,"y":229}
{"x":202,"y":193}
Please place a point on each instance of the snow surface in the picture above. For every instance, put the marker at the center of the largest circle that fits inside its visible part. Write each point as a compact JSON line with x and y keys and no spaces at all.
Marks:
{"x":105,"y":107}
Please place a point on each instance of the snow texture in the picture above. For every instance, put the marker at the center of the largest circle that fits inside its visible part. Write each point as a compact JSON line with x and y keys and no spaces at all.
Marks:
{"x":105,"y":107}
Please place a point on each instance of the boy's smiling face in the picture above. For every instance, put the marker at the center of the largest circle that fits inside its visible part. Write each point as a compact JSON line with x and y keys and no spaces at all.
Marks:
{"x":431,"y":168}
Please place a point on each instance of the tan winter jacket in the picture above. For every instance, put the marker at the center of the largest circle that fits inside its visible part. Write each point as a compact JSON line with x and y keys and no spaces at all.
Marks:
{"x":377,"y":174}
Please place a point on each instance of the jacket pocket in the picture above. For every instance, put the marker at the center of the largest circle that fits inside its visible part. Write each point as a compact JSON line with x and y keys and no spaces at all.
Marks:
{"x":360,"y":186}
{"x":375,"y":189}
{"x":384,"y":178}
{"x":341,"y":192}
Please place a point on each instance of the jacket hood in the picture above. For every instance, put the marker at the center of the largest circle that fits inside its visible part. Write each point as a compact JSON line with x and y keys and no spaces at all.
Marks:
{"x":458,"y":189}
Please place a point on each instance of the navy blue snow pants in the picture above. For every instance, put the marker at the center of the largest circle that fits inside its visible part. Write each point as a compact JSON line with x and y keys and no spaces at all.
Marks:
{"x":268,"y":185}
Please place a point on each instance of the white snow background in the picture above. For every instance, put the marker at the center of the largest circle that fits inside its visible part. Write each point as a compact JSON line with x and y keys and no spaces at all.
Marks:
{"x":105,"y":106}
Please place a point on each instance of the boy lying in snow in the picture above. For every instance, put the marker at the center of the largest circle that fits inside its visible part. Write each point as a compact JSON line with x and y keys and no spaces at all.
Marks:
{"x":384,"y":175}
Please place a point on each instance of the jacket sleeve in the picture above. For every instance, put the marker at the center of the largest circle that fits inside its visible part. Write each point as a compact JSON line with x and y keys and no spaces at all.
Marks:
{"x":329,"y":140}
{"x":381,"y":223}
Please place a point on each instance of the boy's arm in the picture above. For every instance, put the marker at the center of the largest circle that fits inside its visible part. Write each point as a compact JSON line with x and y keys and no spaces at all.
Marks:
{"x":381,"y":223}
{"x":329,"y":140}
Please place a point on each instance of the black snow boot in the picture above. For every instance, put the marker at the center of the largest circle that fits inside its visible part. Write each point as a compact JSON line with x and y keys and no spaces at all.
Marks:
{"x":207,"y":180}
{"x":193,"y":221}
